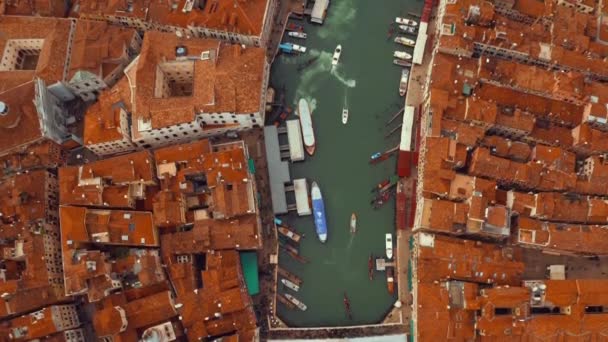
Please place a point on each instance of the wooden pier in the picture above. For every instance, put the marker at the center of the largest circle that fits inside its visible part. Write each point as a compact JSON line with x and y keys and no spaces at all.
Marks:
{"x":285,"y":301}
{"x":395,"y":116}
{"x":289,"y":276}
{"x":296,"y":257}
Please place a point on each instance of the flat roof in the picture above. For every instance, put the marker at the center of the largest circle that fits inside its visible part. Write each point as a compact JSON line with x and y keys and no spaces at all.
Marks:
{"x":278,"y":170}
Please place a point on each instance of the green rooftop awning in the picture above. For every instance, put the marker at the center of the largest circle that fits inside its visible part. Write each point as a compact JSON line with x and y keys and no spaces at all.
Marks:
{"x":249,"y":264}
{"x":251,"y":166}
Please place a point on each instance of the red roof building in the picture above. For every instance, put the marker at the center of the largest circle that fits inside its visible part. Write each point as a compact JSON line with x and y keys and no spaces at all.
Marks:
{"x":244,"y":22}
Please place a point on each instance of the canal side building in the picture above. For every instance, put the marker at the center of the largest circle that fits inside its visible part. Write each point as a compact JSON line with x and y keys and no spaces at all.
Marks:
{"x":178,"y":90}
{"x":29,"y":229}
{"x":47,"y":68}
{"x":512,"y":161}
{"x":243,"y":22}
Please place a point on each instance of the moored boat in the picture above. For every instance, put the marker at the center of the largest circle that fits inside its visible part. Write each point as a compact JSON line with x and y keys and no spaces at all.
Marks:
{"x":390,"y":280}
{"x":353,"y":223}
{"x":296,"y":302}
{"x":306,"y":123}
{"x":290,"y":284}
{"x":404,"y":21}
{"x":347,"y":306}
{"x":318,"y":208}
{"x":405,"y":75}
{"x":290,"y":234}
{"x":294,"y":27}
{"x":389,"y":245}
{"x":297,"y":34}
{"x":381,"y":184}
{"x":408,"y":29}
{"x":344,"y":115}
{"x":405,"y":41}
{"x":292,"y":48}
{"x":402,"y":63}
{"x":402,"y":55}
{"x":336,"y":57}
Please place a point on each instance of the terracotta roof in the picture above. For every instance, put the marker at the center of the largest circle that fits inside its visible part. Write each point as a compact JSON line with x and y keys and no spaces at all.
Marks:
{"x":112,"y":227}
{"x":50,"y":66}
{"x":229,"y":81}
{"x":99,"y":48}
{"x":106,"y":182}
{"x":21,"y":125}
{"x":102,"y":120}
{"x":244,"y":17}
{"x":53,"y":8}
{"x":193,"y":175}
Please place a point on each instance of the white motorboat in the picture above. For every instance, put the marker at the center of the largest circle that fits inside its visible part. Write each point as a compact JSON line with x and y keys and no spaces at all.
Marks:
{"x":404,"y":21}
{"x":402,"y":55}
{"x":405,"y":41}
{"x":296,"y":302}
{"x":336,"y":57}
{"x":405,"y":75}
{"x":297,"y":34}
{"x":290,"y":284}
{"x":389,"y":246}
{"x":408,"y":29}
{"x":344,"y":115}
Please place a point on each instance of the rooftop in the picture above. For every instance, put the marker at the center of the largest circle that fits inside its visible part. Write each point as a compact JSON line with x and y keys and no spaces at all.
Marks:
{"x":213,"y":77}
{"x":243,"y":17}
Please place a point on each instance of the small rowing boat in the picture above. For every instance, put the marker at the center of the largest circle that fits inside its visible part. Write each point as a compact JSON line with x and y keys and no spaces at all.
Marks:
{"x":353,"y":223}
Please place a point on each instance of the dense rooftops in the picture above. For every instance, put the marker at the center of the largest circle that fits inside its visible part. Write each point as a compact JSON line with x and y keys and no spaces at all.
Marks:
{"x":219,"y":17}
{"x":512,"y":152}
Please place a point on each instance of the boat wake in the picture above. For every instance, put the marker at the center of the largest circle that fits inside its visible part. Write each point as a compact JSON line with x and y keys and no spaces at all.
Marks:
{"x":346,"y":82}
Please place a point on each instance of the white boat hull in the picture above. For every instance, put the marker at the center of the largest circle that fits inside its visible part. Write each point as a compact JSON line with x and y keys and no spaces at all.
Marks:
{"x":290,"y":284}
{"x":345,"y":116}
{"x":307,"y":129}
{"x":336,"y":57}
{"x":389,"y":246}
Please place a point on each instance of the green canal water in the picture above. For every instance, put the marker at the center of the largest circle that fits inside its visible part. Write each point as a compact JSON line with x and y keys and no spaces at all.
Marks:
{"x":366,"y":82}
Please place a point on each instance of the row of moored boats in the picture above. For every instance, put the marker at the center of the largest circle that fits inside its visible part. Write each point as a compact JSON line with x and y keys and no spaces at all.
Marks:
{"x":402,"y":58}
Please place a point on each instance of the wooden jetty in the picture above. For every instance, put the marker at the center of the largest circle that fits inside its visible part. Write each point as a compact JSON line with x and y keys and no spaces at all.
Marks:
{"x":290,"y":234}
{"x":295,"y":256}
{"x":290,"y":276}
{"x":395,"y":129}
{"x":395,"y":116}
{"x":285,"y":301}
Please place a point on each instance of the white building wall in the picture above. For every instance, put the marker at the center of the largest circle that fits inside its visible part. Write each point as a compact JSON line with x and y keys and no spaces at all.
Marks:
{"x":187,"y":132}
{"x":65,"y":317}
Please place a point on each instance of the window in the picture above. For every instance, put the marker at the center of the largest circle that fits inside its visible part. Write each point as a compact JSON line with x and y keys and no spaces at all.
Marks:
{"x":21,"y":54}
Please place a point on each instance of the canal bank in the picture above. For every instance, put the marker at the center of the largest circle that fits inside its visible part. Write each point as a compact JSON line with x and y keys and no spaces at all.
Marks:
{"x":366,"y":82}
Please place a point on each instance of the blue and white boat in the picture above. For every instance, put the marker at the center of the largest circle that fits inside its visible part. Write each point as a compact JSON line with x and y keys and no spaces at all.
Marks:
{"x":318,"y":209}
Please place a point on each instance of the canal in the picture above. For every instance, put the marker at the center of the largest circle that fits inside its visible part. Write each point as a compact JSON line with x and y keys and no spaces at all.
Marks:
{"x":366,"y":82}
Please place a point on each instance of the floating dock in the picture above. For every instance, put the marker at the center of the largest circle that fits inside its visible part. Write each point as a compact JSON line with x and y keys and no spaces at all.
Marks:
{"x":300,"y":187}
{"x":294,"y":136}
